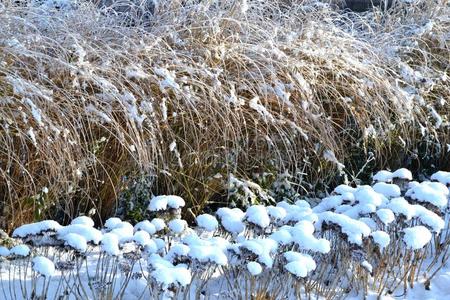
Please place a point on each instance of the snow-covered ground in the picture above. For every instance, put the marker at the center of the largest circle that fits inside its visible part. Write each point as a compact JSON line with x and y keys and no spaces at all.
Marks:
{"x":387,"y":241}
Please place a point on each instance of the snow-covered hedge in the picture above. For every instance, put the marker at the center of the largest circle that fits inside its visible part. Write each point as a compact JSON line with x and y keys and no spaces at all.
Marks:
{"x":354,"y":236}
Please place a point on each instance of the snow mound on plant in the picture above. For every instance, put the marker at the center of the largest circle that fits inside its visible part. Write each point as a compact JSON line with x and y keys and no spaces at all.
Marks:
{"x":43,"y":266}
{"x":207,"y":222}
{"x":164,"y":202}
{"x":254,"y":268}
{"x":90,"y":234}
{"x":36,"y":228}
{"x":75,"y":241}
{"x":416,"y":237}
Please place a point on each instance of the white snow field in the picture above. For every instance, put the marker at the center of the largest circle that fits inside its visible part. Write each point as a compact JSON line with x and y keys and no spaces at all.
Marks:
{"x":360,"y":242}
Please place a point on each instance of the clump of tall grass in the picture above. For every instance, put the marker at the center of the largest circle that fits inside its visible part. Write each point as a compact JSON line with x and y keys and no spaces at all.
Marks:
{"x":195,"y":92}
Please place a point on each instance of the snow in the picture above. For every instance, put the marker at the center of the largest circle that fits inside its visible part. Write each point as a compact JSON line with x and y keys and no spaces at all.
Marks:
{"x":111,"y":223}
{"x":402,"y":174}
{"x":110,"y":244}
{"x":434,"y":193}
{"x":90,"y":234}
{"x":257,"y":215}
{"x":388,"y":190}
{"x":20,"y":250}
{"x":177,"y":226}
{"x":366,"y":265}
{"x":231,"y":219}
{"x":282,"y":236}
{"x":367,"y":195}
{"x":151,"y":247}
{"x":369,"y":222}
{"x":166,"y":274}
{"x":36,"y":228}
{"x":386,"y":216}
{"x":277,"y":213}
{"x":297,"y":213}
{"x":302,"y":204}
{"x":175,"y":202}
{"x":255,"y":104}
{"x":208,"y":253}
{"x":354,"y":229}
{"x":344,"y":189}
{"x":416,"y":237}
{"x":160,"y":243}
{"x":176,"y":251}
{"x":146,"y":226}
{"x":158,"y":203}
{"x":400,"y":206}
{"x":299,"y":264}
{"x":328,"y":203}
{"x":83,"y":220}
{"x":207,"y":222}
{"x":381,"y":238}
{"x":254,"y":268}
{"x":142,"y":238}
{"x":75,"y":241}
{"x":429,"y":218}
{"x":124,"y":232}
{"x":235,"y":213}
{"x":158,"y":223}
{"x":4,"y":251}
{"x":169,"y":79}
{"x":331,"y":157}
{"x":383,"y":176}
{"x":252,"y":246}
{"x":302,"y":235}
{"x":43,"y":266}
{"x":442,"y":176}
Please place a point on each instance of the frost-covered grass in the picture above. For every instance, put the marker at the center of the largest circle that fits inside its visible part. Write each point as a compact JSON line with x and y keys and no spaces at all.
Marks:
{"x":201,"y":95}
{"x":356,"y":242}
